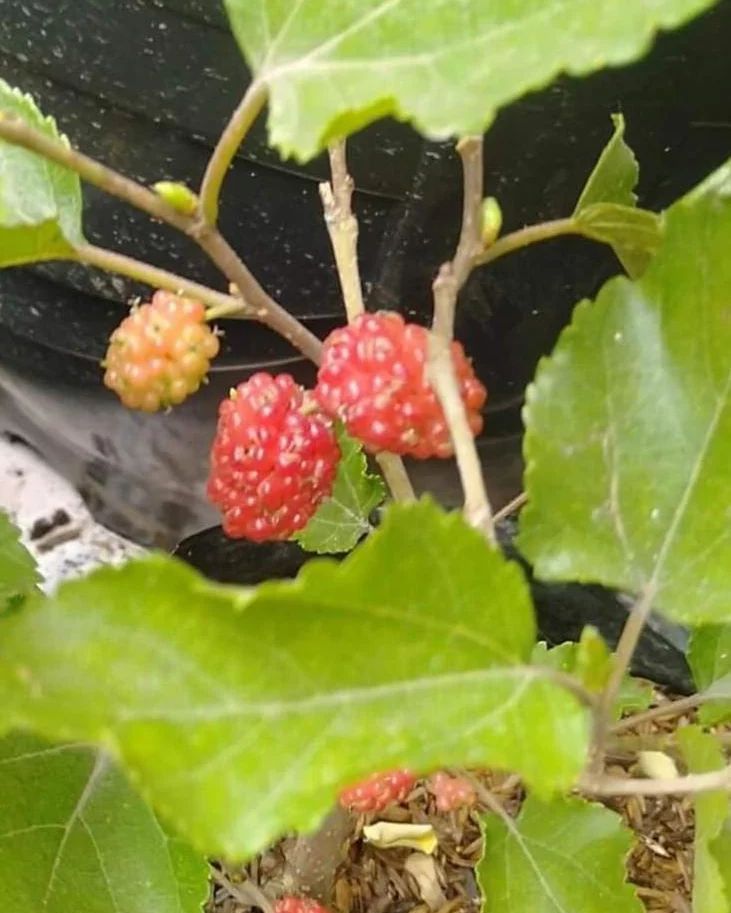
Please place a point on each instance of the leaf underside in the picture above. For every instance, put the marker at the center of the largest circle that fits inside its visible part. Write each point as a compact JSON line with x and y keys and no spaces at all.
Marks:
{"x":333,"y":66}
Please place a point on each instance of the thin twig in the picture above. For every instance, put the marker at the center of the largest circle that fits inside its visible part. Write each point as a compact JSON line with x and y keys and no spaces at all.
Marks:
{"x":442,"y":377}
{"x":247,"y":893}
{"x":511,"y":507}
{"x":219,"y":305}
{"x":342,"y":227}
{"x":516,"y":240}
{"x":262,"y":306}
{"x":453,"y":275}
{"x":672,"y":708}
{"x":450,"y":278}
{"x":636,"y":620}
{"x":619,"y":786}
{"x":227,"y":147}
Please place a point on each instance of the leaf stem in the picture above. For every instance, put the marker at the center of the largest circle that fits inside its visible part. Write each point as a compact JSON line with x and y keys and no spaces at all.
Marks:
{"x":228,"y":145}
{"x":342,"y":228}
{"x":604,"y":785}
{"x":524,"y":237}
{"x":636,"y":620}
{"x":220,"y":305}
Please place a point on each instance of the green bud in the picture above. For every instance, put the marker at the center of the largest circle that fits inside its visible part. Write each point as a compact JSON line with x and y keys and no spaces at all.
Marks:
{"x":180,"y":197}
{"x":492,"y":220}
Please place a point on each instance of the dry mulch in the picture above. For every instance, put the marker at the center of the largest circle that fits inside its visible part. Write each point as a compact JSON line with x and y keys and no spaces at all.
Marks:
{"x":370,"y":880}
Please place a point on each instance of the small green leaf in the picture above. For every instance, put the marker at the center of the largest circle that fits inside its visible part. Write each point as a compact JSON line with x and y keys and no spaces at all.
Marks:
{"x":40,"y":202}
{"x":331,"y":67}
{"x":628,"y":429}
{"x":74,"y":836}
{"x":591,"y":662}
{"x":18,"y":573}
{"x":241,"y":713}
{"x":634,"y":234}
{"x":709,"y":655}
{"x":343,"y":519}
{"x":704,"y":753}
{"x":615,"y":174}
{"x":593,"y":659}
{"x":558,"y":856}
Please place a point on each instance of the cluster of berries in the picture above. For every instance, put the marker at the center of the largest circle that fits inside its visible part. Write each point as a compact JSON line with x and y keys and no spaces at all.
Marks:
{"x":275,"y":454}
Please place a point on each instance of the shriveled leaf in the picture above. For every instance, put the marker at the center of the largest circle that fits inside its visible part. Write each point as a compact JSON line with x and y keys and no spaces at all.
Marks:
{"x":75,"y":836}
{"x":343,"y":519}
{"x":634,"y":234}
{"x":615,"y":174}
{"x":40,"y":202}
{"x":18,"y":573}
{"x":333,"y":66}
{"x":558,"y":856}
{"x":241,"y":713}
{"x":709,"y":655}
{"x":703,"y":753}
{"x":628,"y":429}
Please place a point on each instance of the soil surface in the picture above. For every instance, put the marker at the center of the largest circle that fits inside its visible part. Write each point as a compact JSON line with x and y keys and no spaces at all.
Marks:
{"x":371,"y":880}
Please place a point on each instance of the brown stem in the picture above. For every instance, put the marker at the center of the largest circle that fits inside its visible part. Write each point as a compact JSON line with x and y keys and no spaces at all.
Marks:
{"x":440,"y":367}
{"x":453,"y":275}
{"x":263,"y":307}
{"x":511,"y":507}
{"x":342,"y":228}
{"x":516,"y":240}
{"x":672,"y":708}
{"x":220,"y":305}
{"x":227,"y":147}
{"x":314,"y":858}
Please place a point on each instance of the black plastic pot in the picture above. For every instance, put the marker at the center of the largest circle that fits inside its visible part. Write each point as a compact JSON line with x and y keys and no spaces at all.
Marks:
{"x":147,"y":86}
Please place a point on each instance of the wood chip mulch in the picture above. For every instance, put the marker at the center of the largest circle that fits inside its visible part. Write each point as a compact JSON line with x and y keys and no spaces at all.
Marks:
{"x":371,"y":880}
